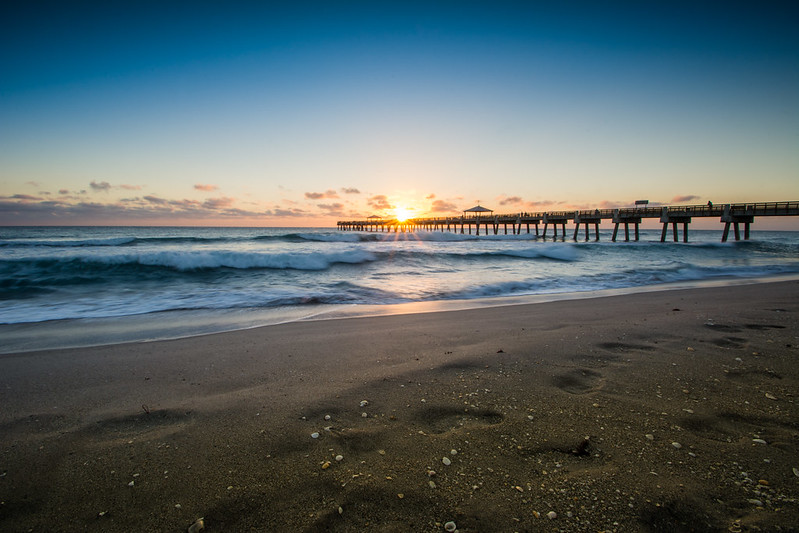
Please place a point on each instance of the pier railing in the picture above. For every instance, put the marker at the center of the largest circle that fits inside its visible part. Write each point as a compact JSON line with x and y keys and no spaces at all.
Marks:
{"x":731,"y":215}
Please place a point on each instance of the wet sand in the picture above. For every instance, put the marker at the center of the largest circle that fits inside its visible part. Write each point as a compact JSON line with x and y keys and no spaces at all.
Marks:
{"x":666,"y":411}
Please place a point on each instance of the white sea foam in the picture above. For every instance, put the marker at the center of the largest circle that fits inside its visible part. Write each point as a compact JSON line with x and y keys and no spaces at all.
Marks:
{"x":69,"y":243}
{"x":199,"y":260}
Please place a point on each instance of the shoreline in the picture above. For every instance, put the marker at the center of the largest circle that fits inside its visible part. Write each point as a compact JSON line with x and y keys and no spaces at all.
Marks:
{"x":666,"y":411}
{"x":92,"y":332}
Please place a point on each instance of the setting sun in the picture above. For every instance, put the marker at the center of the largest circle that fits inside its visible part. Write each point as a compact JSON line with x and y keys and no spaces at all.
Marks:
{"x":403,"y":213}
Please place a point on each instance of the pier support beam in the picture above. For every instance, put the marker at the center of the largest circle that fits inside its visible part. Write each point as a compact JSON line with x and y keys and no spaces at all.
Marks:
{"x":626,"y":219}
{"x":587,"y":218}
{"x":667,"y":217}
{"x":728,"y":218}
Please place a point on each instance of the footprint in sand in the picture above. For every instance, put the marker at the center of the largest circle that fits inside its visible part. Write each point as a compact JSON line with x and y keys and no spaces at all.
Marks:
{"x":625,"y":347}
{"x":579,"y":381}
{"x":440,"y":419}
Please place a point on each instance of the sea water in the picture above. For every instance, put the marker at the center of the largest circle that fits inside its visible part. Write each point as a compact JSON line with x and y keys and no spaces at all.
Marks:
{"x":73,"y":286}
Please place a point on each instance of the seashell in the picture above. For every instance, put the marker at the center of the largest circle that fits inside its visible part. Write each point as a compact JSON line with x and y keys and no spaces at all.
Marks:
{"x":198,"y":525}
{"x":450,"y":526}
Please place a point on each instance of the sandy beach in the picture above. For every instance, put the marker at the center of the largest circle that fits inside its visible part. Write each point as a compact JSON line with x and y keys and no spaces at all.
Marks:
{"x":662,"y":411}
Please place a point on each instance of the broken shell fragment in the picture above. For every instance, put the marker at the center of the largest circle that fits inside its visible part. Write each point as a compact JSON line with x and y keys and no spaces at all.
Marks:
{"x":198,"y":525}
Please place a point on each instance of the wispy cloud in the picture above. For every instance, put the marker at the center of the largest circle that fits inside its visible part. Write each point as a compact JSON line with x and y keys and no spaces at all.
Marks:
{"x":319,"y":195}
{"x":441,"y":206}
{"x":335,"y":209}
{"x":685,"y":198}
{"x":350,"y":190}
{"x":22,"y":197}
{"x":380,"y":201}
{"x":155,"y":200}
{"x":283,"y":213}
{"x":218,"y":203}
{"x":206,"y":188}
{"x":511,"y":200}
{"x":103,"y":186}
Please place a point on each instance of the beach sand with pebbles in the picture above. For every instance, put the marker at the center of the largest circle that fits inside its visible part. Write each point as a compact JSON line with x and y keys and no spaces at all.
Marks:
{"x":660,"y":411}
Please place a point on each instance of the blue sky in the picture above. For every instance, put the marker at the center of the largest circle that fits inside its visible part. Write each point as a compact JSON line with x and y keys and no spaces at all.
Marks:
{"x":246,"y":113}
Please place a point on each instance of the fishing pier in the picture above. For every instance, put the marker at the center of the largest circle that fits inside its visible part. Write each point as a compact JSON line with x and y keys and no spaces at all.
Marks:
{"x":475,"y":218}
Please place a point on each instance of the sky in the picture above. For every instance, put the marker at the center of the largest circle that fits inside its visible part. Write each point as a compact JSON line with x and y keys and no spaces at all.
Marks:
{"x":304,"y":113}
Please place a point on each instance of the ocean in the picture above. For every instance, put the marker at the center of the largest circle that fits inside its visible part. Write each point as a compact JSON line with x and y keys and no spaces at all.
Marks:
{"x":80,"y":286}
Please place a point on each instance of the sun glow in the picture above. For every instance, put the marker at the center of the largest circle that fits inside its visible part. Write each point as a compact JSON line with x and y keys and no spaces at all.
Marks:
{"x":402,"y":213}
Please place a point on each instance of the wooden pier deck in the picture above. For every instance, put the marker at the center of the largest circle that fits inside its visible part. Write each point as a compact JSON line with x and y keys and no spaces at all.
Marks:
{"x":731,"y":215}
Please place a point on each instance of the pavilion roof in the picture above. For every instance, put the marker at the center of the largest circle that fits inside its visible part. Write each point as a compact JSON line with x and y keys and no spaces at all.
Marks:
{"x":478,"y":209}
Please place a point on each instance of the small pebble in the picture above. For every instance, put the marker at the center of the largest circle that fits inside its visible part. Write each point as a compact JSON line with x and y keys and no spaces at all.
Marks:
{"x":446,"y":461}
{"x":364,"y":415}
{"x":770,"y":396}
{"x":755,"y":502}
{"x":677,"y":445}
{"x":450,"y":526}
{"x":131,"y":483}
{"x":364,"y":403}
{"x":339,"y":458}
{"x":649,"y":436}
{"x":453,"y":452}
{"x":340,"y":510}
{"x":796,"y":472}
{"x":325,"y":465}
{"x":314,"y":435}
{"x":758,"y":441}
{"x":552,"y":515}
{"x":327,"y":417}
{"x":432,"y":484}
